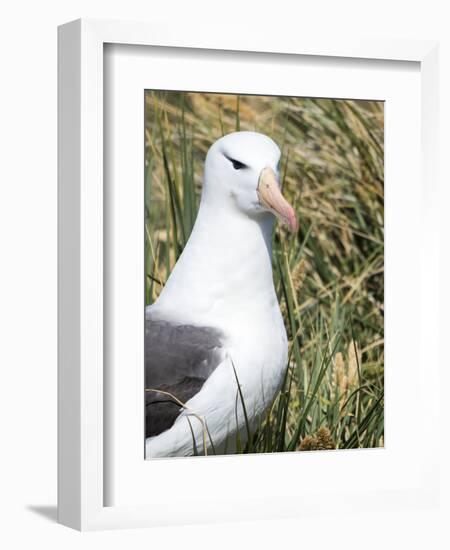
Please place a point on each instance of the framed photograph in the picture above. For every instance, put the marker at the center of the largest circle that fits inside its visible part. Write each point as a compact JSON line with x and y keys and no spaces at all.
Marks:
{"x":244,"y":264}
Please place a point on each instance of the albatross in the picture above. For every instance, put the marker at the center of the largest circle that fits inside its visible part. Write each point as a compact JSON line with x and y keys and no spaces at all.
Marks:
{"x":215,"y":342}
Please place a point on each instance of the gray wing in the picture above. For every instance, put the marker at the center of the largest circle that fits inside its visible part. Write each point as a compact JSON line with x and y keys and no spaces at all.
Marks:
{"x":178,"y":360}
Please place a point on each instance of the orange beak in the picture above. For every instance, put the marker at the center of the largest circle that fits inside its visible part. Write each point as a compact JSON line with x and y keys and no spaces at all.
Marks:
{"x":270,"y":196}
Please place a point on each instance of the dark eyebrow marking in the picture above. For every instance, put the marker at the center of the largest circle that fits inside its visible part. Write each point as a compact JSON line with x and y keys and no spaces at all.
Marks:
{"x":237,"y":164}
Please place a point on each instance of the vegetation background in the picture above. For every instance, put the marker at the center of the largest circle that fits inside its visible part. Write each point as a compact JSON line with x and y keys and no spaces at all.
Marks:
{"x":329,"y":277}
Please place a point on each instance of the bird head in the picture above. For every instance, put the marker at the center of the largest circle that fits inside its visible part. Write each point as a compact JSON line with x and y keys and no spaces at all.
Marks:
{"x":242,"y":168}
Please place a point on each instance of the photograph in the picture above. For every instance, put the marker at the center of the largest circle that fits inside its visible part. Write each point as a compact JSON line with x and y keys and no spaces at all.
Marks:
{"x":264,"y":274}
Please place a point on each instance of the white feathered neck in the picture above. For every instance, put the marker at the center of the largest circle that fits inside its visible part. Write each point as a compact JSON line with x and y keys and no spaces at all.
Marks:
{"x":224,"y":270}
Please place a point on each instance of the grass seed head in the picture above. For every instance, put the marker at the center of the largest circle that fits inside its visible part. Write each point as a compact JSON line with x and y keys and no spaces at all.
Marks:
{"x":320,"y":441}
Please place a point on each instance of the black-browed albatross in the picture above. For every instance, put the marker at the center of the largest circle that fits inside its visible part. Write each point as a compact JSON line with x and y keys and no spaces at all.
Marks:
{"x":217,"y":319}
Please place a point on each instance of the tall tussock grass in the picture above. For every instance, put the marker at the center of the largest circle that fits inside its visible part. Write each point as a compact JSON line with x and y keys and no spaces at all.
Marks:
{"x":329,"y":277}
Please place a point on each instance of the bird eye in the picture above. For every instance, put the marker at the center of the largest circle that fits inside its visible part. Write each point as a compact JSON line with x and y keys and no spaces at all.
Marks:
{"x":237,"y":165}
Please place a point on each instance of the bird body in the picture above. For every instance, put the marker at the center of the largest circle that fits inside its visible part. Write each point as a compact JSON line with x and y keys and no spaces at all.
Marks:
{"x":217,"y":322}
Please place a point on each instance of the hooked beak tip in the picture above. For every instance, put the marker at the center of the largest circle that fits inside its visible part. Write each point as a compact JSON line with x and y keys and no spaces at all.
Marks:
{"x":292,"y":222}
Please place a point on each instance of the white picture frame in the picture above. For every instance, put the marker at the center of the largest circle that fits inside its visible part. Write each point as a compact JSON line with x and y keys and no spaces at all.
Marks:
{"x":82,"y":484}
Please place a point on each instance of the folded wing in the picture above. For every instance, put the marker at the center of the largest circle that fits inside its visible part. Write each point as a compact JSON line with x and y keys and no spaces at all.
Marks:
{"x":178,"y":360}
